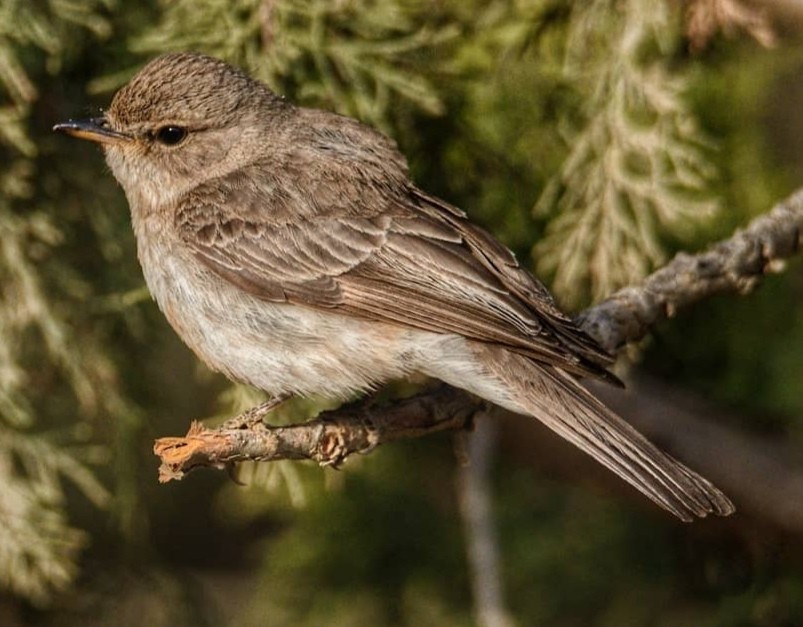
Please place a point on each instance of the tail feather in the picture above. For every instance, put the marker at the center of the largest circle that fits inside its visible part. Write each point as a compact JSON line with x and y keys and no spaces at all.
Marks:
{"x":562,"y":404}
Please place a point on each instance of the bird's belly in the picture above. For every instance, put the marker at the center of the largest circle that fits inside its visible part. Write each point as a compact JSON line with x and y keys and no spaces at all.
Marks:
{"x":277,"y":347}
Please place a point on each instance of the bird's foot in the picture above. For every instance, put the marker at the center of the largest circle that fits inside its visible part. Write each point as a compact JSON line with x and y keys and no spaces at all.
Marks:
{"x":254,"y":416}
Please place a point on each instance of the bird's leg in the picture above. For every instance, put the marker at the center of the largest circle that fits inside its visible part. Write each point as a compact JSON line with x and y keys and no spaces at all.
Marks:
{"x":253,"y":416}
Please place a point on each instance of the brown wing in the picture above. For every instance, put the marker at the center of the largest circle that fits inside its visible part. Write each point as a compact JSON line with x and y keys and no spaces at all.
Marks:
{"x":409,"y":259}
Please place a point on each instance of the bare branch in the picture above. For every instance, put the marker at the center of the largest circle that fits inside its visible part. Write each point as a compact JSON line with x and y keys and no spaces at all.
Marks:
{"x":733,"y":265}
{"x":736,"y":264}
{"x":328,"y":440}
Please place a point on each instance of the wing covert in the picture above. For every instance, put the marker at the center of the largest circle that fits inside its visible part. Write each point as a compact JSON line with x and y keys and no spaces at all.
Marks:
{"x":412,"y":261}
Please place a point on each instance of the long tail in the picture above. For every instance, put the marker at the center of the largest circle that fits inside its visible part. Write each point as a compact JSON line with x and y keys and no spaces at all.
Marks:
{"x":562,"y":404}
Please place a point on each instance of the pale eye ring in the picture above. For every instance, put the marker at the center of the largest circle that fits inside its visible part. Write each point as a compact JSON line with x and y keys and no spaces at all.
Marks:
{"x":171,"y":135}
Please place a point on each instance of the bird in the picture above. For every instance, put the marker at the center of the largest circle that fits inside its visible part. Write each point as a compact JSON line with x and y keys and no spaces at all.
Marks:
{"x":290,"y":250}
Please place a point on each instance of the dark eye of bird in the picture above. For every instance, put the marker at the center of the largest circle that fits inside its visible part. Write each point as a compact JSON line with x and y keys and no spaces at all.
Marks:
{"x":170,"y":135}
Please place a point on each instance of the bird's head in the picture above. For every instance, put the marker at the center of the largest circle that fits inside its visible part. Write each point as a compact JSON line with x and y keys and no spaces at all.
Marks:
{"x":183,"y":119}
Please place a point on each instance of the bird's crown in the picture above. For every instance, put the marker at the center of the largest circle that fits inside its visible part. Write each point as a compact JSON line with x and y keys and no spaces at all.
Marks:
{"x":185,"y":87}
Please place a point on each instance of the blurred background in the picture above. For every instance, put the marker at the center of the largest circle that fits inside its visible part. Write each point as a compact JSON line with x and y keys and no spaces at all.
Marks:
{"x":596,"y":138}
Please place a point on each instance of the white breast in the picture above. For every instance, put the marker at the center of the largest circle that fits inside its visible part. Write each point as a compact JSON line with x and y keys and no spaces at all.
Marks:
{"x":276,"y":347}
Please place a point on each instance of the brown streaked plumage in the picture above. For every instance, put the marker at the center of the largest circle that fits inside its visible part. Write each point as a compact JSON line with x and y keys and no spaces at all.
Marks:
{"x":290,"y":250}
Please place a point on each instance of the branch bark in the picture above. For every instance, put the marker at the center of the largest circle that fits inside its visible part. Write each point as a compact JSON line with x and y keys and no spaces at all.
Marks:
{"x":328,"y":439}
{"x":734,"y":265}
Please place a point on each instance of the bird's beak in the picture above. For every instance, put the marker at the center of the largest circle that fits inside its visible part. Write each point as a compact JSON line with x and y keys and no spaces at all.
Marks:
{"x":93,"y":129}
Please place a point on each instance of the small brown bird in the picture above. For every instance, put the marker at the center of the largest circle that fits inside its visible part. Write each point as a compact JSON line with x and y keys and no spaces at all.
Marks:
{"x":289,"y":249}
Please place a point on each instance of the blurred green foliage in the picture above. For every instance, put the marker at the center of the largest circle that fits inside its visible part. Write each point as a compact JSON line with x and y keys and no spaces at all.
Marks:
{"x":583,"y":126}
